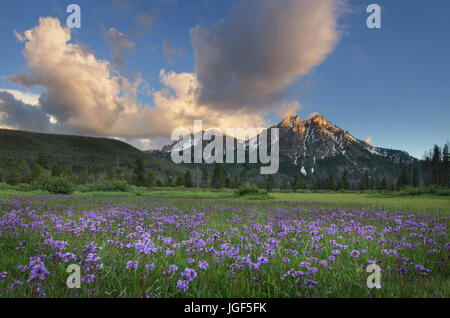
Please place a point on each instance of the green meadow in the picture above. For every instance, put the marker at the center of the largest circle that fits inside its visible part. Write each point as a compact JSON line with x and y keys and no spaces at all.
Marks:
{"x":280,"y":244}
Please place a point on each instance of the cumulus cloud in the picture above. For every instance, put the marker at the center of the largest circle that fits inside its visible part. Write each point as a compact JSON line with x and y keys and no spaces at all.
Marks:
{"x":144,"y":19}
{"x":120,"y":45}
{"x":170,"y":51}
{"x":16,"y":114}
{"x":143,"y":22}
{"x":287,"y":109}
{"x":369,"y":140}
{"x":254,"y":58}
{"x":24,"y":97}
{"x":312,"y":115}
{"x":244,"y":67}
{"x":86,"y":95}
{"x":19,"y":36}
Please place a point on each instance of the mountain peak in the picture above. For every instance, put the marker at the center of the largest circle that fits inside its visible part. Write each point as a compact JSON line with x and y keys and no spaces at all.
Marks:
{"x":291,"y":121}
{"x":319,"y":119}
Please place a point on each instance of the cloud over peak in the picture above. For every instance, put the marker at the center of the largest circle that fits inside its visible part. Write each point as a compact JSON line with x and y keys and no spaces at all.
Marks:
{"x":244,"y":68}
{"x":254,"y":58}
{"x":120,"y":45}
{"x":83,"y":94}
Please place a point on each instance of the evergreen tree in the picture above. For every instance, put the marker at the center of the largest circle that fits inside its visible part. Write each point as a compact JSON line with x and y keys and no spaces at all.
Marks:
{"x":139,"y":172}
{"x":68,"y":173}
{"x":36,"y":172}
{"x":150,"y":180}
{"x":410,"y":175}
{"x":235,"y":182}
{"x":399,"y":183}
{"x":301,"y":184}
{"x":445,"y":166}
{"x":436,"y":162}
{"x":24,"y":172}
{"x":314,"y":183}
{"x":188,"y":179}
{"x":270,"y":182}
{"x":83,"y":177}
{"x":205,"y":177}
{"x":295,"y":182}
{"x":344,"y":184}
{"x":330,"y":183}
{"x":243,"y":178}
{"x":224,"y":176}
{"x":122,"y":174}
{"x":415,"y":177}
{"x":365,"y":181}
{"x":10,"y":172}
{"x":285,"y":184}
{"x":110,"y":174}
{"x":43,"y":160}
{"x":179,"y":181}
{"x":371,"y":183}
{"x":56,"y":171}
{"x":383,"y":184}
{"x":217,"y":177}
{"x":404,"y":173}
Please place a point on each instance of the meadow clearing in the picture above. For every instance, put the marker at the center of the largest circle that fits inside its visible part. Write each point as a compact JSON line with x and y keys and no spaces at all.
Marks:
{"x":177,"y":243}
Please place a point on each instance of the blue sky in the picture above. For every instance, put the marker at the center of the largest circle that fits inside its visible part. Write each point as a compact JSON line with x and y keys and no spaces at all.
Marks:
{"x":391,"y":84}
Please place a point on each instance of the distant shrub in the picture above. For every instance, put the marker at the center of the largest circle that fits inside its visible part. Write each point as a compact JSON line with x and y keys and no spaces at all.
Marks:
{"x":247,"y":189}
{"x":435,"y":190}
{"x":107,"y":186}
{"x":57,"y":185}
{"x":5,"y":186}
{"x":444,"y":192}
{"x":26,"y":187}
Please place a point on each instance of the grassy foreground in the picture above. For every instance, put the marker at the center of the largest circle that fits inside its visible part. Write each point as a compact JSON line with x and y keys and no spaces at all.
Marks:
{"x":161,"y":244}
{"x":373,"y":200}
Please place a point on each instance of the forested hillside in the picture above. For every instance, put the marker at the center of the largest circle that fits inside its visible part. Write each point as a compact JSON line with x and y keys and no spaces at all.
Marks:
{"x":97,"y":155}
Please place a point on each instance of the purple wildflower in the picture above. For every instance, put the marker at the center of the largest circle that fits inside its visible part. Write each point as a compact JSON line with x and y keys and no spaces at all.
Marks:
{"x":189,"y":274}
{"x":203,"y":265}
{"x":183,"y":285}
{"x":173,"y":268}
{"x":132,"y":265}
{"x":149,"y":267}
{"x":88,"y":279}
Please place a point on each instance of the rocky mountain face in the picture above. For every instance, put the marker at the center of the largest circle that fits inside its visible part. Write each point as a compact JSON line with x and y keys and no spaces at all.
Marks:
{"x":316,"y":148}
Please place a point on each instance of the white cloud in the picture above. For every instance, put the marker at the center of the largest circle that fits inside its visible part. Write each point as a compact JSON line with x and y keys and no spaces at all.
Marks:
{"x":369,"y":140}
{"x":120,"y":45}
{"x":312,"y":115}
{"x":86,"y":95}
{"x":170,"y":51}
{"x":19,"y":36}
{"x":254,"y":58}
{"x":287,"y":109}
{"x":243,"y":69}
{"x":24,"y":97}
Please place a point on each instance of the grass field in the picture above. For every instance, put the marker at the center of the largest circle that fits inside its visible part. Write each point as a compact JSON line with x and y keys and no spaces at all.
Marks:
{"x":175,"y":243}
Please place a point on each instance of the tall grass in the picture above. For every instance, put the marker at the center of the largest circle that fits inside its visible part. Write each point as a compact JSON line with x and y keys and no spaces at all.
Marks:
{"x":112,"y":223}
